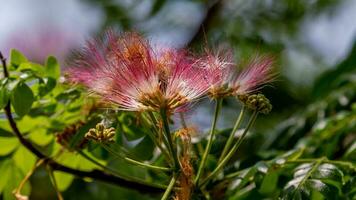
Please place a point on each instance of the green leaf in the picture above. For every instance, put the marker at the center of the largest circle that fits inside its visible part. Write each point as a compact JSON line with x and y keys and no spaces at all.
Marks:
{"x":5,"y":168}
{"x":22,"y":99}
{"x":314,"y":177}
{"x":269,"y":183}
{"x":351,"y":152}
{"x":144,"y":149}
{"x":243,"y":178}
{"x":8,"y":145}
{"x":71,"y":160}
{"x":16,"y":58}
{"x":330,"y":174}
{"x":48,"y":85}
{"x":129,"y":126}
{"x":40,"y":137}
{"x":52,"y":68}
{"x":24,"y":159}
{"x":34,"y":68}
{"x":4,"y":96}
{"x":16,"y":176}
{"x":63,"y":180}
{"x":324,"y":189}
{"x":350,"y":188}
{"x":29,"y":124}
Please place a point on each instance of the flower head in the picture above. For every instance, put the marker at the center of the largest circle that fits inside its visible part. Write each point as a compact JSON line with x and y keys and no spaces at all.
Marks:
{"x":219,"y":68}
{"x":126,"y":71}
{"x":254,"y":76}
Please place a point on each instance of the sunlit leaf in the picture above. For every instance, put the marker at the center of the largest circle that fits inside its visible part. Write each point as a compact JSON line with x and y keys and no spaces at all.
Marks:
{"x":52,"y":68}
{"x":63,"y":180}
{"x":40,"y":137}
{"x":16,"y":58}
{"x":24,"y":159}
{"x":8,"y":145}
{"x":5,"y":169}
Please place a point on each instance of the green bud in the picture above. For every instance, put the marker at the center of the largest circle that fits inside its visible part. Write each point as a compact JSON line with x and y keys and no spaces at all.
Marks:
{"x":256,"y":102}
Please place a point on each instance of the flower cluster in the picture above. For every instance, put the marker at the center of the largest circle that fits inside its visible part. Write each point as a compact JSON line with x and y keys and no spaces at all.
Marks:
{"x":127,"y":71}
{"x":101,"y":134}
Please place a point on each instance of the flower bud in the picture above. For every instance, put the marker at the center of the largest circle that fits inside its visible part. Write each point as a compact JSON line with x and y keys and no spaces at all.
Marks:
{"x":101,"y":134}
{"x":256,"y":102}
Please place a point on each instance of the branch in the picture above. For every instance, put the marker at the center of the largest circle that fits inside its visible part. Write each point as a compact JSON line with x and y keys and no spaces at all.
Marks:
{"x":95,"y":174}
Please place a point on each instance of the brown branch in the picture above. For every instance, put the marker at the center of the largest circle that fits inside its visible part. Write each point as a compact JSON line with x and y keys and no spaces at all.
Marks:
{"x":95,"y":174}
{"x":3,"y":62}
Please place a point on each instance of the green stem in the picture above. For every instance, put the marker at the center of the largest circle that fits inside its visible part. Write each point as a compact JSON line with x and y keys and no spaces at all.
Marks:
{"x":147,"y":165}
{"x":170,"y":187}
{"x":54,"y":183}
{"x":232,"y":134}
{"x":135,"y":162}
{"x":155,"y":139}
{"x":210,"y":140}
{"x":108,"y":169}
{"x":233,"y":149}
{"x":169,"y":139}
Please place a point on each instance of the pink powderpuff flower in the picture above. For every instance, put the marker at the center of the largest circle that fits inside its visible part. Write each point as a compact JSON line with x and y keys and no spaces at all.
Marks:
{"x":126,"y":71}
{"x":257,"y":73}
{"x":219,"y":68}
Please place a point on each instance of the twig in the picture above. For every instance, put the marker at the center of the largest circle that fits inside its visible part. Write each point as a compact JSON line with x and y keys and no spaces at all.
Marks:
{"x":17,"y":192}
{"x":54,"y":183}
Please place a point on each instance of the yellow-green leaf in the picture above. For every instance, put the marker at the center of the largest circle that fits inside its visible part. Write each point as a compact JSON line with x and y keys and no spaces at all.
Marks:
{"x":16,"y":58}
{"x":52,"y":67}
{"x":63,"y":180}
{"x":8,"y":145}
{"x":24,"y":159}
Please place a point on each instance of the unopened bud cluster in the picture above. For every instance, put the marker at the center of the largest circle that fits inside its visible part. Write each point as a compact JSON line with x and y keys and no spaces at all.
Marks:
{"x":101,"y":134}
{"x":256,"y":102}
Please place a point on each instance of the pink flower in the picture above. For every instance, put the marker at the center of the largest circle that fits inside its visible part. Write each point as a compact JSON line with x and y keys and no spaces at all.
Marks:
{"x":257,"y":73}
{"x":219,"y":69}
{"x":126,"y":71}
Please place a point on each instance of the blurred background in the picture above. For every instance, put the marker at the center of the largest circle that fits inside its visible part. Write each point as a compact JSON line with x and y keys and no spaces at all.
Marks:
{"x":313,"y":42}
